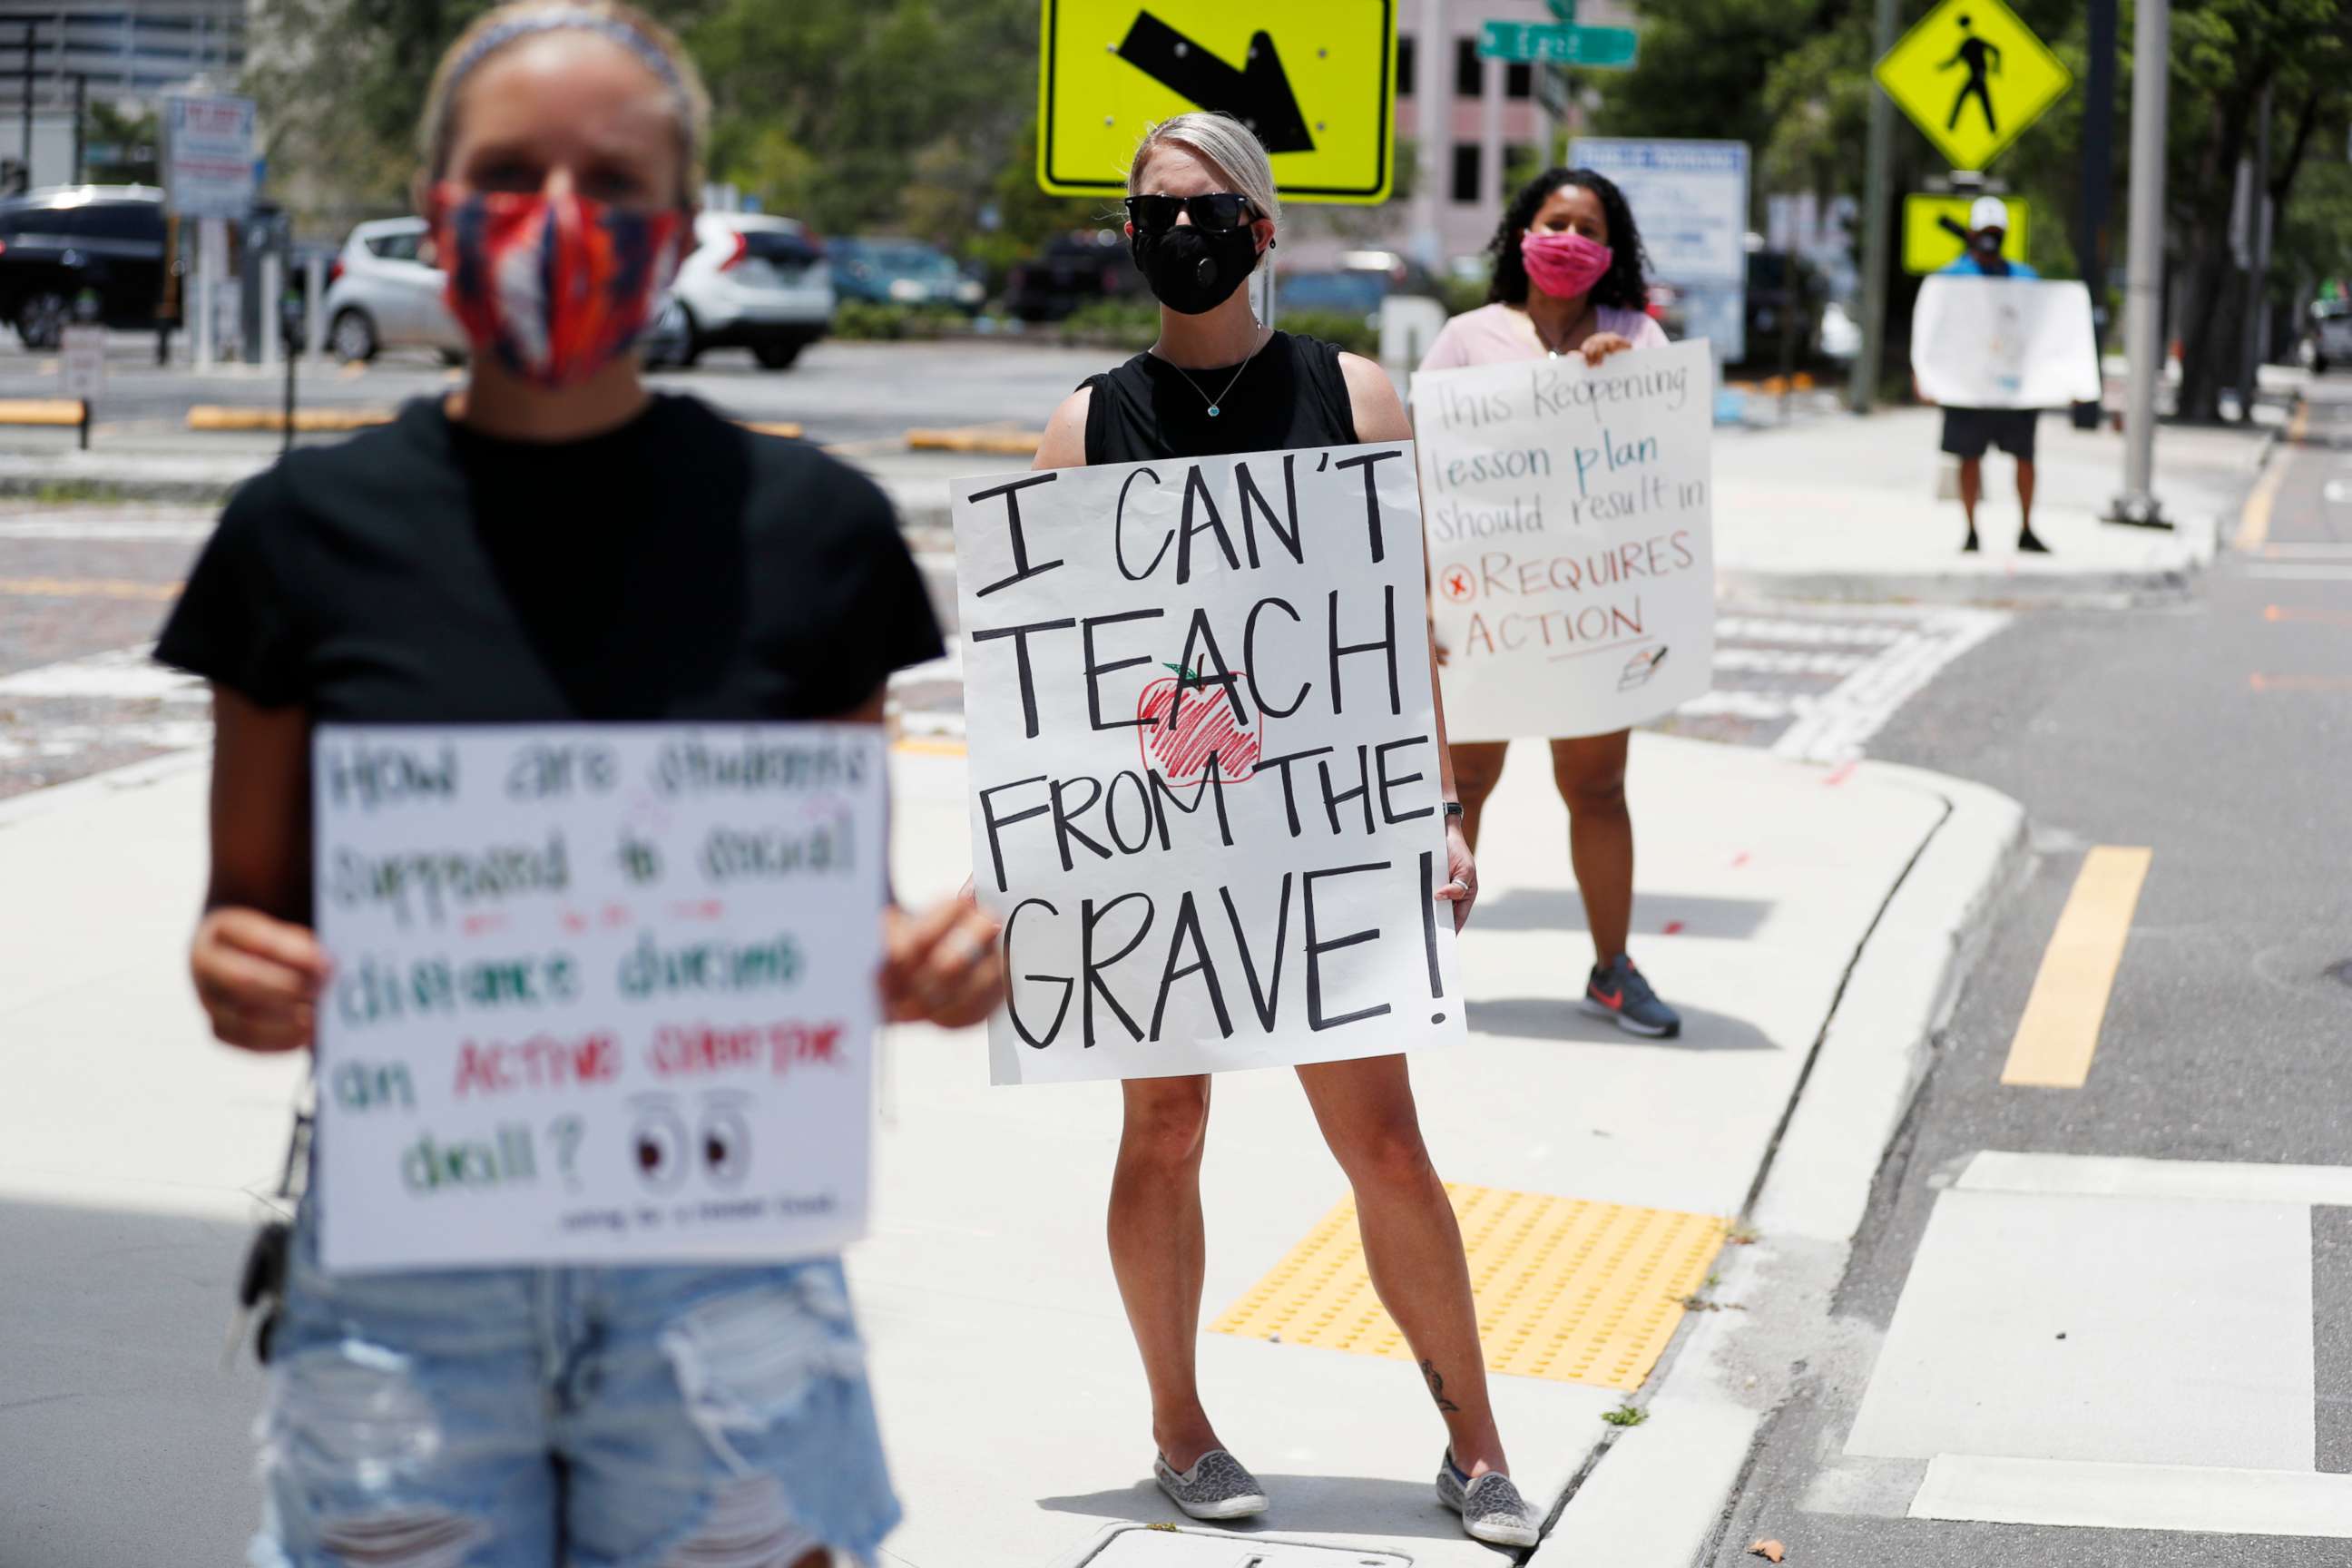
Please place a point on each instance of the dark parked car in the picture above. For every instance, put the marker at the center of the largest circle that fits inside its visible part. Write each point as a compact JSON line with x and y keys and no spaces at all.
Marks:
{"x":1074,"y":271}
{"x":901,"y":272}
{"x":1771,"y":301}
{"x":80,"y":253}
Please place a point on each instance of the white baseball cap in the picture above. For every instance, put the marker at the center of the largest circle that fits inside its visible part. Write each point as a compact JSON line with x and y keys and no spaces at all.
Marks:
{"x":1989,"y":212}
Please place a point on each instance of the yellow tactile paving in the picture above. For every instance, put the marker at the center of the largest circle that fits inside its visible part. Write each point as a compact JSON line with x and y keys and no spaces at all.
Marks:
{"x":1568,"y":1289}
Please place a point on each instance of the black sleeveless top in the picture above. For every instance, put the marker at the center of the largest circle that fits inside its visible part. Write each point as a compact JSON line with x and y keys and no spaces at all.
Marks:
{"x":1293,"y":394}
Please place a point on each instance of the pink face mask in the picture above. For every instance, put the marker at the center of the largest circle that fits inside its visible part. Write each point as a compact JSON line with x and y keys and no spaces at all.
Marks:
{"x":1564,"y":264}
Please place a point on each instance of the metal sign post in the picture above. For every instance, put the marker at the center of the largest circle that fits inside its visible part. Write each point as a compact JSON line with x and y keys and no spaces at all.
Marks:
{"x":81,"y":366}
{"x":2143,"y":302}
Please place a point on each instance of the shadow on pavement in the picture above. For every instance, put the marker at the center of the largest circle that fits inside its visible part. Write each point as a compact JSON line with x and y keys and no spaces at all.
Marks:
{"x":1303,"y":1505}
{"x":121,"y":1437}
{"x":1562,"y":910}
{"x":1560,"y":1018}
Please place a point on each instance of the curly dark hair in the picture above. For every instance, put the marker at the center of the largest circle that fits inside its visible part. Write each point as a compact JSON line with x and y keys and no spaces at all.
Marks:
{"x":1621,"y":287}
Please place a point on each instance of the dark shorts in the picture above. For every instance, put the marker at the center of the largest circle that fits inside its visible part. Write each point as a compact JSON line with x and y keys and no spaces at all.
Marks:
{"x":1968,"y":431}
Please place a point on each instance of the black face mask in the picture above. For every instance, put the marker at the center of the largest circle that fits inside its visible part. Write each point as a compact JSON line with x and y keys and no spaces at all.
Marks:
{"x":1193,"y":269}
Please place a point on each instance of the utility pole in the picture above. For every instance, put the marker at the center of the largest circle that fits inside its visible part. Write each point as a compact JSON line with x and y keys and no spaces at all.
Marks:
{"x":1877,"y":203}
{"x":2098,"y":180}
{"x":28,"y":105}
{"x":2143,"y":308}
{"x":80,"y":113}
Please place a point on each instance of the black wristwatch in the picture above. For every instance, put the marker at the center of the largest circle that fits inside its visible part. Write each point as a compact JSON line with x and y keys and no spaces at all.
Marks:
{"x":1453,"y":808}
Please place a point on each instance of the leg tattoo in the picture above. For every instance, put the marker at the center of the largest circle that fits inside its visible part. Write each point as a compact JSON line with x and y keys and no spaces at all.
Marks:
{"x":1437,"y":1386}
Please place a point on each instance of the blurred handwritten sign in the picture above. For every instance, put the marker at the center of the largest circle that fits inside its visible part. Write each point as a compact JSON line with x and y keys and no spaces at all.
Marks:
{"x":1570,"y":538}
{"x":1204,"y":764}
{"x":602,"y":994}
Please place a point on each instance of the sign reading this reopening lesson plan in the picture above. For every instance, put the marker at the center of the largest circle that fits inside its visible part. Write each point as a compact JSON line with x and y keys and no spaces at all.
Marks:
{"x":1205,"y":767}
{"x":1570,"y":538}
{"x":602,"y":994}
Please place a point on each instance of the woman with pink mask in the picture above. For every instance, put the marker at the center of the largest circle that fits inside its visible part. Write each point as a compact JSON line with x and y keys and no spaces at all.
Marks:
{"x":1568,"y":280}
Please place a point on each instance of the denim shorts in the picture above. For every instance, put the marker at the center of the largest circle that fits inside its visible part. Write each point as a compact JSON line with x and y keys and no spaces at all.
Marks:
{"x":567,"y":1418}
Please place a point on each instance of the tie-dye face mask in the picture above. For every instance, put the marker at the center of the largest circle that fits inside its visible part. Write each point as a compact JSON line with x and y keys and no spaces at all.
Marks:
{"x":553,"y":288}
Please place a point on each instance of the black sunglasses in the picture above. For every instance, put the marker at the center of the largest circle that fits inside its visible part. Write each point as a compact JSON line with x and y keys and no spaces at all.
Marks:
{"x":1217,"y":210}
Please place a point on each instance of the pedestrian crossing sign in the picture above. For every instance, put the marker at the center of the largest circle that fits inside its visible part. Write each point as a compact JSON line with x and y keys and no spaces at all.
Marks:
{"x":1972,"y":77}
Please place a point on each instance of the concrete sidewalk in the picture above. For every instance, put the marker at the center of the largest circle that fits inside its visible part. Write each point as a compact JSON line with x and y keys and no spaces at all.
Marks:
{"x":1011,"y":1400}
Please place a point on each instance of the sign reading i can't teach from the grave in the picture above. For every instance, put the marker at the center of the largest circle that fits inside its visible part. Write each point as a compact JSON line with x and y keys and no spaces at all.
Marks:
{"x":1972,"y":77}
{"x":1315,"y":79}
{"x":1204,"y":765}
{"x":1570,"y":538}
{"x":602,"y":994}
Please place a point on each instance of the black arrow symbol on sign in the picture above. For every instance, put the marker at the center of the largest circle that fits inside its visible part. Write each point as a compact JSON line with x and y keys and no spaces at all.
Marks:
{"x":1258,"y":95}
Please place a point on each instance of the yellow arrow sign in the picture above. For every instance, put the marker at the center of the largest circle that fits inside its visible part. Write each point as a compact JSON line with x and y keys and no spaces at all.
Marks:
{"x":1972,"y":77}
{"x":1313,"y":78}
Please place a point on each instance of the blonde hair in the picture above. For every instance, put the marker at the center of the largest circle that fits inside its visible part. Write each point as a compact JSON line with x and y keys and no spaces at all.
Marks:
{"x":655,"y":46}
{"x":1226,"y":144}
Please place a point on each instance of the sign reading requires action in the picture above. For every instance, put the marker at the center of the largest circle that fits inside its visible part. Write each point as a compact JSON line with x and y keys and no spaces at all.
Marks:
{"x":1203,"y":753}
{"x":1972,"y":78}
{"x":1314,"y":79}
{"x":1930,"y":245}
{"x":601,"y":994}
{"x":1570,"y":538}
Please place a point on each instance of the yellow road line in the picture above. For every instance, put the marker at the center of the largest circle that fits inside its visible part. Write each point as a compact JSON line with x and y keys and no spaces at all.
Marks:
{"x":89,"y":588}
{"x":2060,"y":1032}
{"x":2255,"y":522}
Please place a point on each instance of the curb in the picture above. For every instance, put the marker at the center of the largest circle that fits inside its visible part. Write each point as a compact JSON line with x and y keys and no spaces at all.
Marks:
{"x":1951,"y":588}
{"x":1663,"y":1492}
{"x":997,"y":443}
{"x":225,"y":418}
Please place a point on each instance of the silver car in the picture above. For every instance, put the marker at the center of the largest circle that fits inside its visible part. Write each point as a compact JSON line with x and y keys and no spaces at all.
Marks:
{"x":753,"y":281}
{"x":381,"y":295}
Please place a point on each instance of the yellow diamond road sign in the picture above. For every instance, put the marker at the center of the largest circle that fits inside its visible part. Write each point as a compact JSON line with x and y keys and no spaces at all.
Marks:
{"x":1315,"y":79}
{"x":1972,"y":77}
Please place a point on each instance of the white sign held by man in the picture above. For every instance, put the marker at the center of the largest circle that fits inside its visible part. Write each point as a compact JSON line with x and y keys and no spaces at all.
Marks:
{"x":1570,"y":538}
{"x":600,"y":993}
{"x":1204,"y":764}
{"x":2004,"y":342}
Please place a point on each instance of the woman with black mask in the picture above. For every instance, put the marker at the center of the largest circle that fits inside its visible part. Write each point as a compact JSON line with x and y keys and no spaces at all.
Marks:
{"x":1202,"y":211}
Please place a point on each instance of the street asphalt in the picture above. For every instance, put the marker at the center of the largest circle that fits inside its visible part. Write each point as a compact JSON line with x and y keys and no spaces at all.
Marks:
{"x":2214,"y":731}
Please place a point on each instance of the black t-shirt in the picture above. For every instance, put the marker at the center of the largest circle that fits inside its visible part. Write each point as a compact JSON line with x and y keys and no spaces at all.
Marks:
{"x":676,"y":567}
{"x":1293,"y":394}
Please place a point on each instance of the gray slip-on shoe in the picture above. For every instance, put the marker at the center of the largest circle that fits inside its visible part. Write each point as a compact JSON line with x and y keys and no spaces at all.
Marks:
{"x":1491,"y":1508}
{"x":1216,"y":1487}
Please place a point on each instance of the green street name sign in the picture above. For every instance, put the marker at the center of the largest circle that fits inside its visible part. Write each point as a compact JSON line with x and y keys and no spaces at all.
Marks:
{"x":1606,"y":47}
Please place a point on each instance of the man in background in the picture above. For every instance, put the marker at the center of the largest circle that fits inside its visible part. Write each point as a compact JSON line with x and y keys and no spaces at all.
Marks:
{"x":1968,"y":431}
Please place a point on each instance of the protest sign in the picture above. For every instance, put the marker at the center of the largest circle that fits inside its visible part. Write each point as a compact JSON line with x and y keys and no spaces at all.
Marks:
{"x":602,"y":994}
{"x":1204,"y":764}
{"x":2003,"y":342}
{"x":1570,"y":538}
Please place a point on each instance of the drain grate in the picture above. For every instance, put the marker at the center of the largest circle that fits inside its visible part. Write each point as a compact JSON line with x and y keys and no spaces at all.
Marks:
{"x":1566,"y":1290}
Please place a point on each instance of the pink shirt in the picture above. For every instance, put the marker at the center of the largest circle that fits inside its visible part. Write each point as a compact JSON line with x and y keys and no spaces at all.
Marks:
{"x":1494,"y":334}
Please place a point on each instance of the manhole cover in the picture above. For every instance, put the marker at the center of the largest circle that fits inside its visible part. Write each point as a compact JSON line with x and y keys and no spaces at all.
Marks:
{"x":1149,"y":1546}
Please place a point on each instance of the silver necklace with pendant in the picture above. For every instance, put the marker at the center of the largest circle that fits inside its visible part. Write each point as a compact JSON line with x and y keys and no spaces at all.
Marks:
{"x":1588,"y":310}
{"x":1216,"y":403}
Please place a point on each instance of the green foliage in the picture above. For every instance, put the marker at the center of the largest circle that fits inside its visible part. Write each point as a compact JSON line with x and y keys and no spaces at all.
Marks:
{"x":868,"y":320}
{"x":1625,"y":1415}
{"x":1350,"y":333}
{"x":1119,"y":323}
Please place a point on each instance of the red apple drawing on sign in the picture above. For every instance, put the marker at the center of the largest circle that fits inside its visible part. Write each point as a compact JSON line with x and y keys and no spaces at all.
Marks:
{"x":1187,"y":721}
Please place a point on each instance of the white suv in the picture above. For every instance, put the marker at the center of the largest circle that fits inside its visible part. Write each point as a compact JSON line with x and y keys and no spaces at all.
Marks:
{"x":753,"y":281}
{"x":380,"y":296}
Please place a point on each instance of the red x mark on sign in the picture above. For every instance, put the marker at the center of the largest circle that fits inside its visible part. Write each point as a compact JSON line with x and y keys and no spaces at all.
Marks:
{"x":1457,"y":584}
